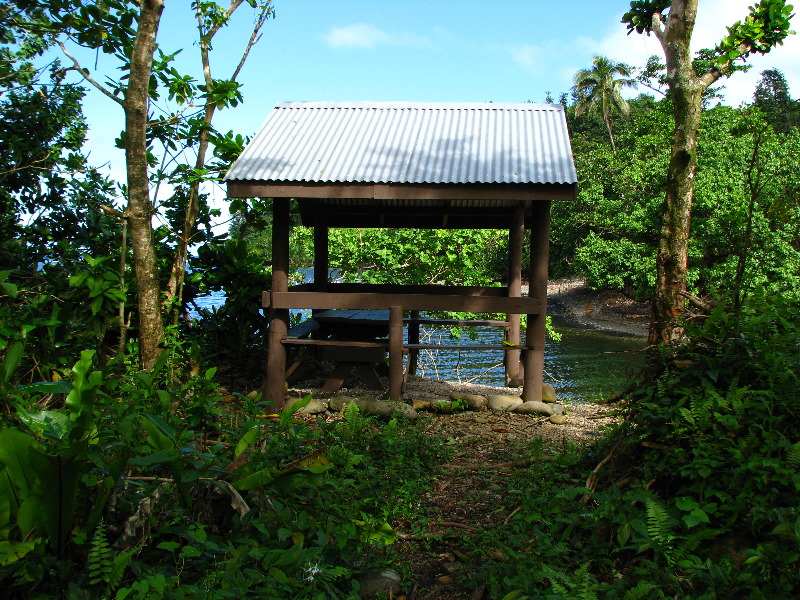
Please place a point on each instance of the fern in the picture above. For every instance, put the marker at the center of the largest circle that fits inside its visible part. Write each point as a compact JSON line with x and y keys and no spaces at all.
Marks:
{"x":642,"y":590}
{"x":658,"y":526}
{"x":100,"y":561}
{"x":691,"y":543}
{"x":570,"y":493}
{"x":103,"y":565}
{"x":793,"y":456}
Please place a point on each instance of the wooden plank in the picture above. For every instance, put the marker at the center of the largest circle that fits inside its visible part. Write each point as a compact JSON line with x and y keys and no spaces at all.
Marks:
{"x":303,"y":329}
{"x":343,"y":315}
{"x":403,"y":191}
{"x":336,"y":380}
{"x":432,"y":290}
{"x":477,"y":304}
{"x":458,"y":322}
{"x":334,"y":343}
{"x":465,"y":348}
{"x":451,"y":191}
{"x":353,"y":316}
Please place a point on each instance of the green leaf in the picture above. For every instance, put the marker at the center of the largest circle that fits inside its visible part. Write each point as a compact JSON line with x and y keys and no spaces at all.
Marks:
{"x":12,"y":359}
{"x":46,"y":387}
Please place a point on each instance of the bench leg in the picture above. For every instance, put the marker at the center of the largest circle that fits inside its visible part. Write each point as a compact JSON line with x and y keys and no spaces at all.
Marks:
{"x":336,"y":380}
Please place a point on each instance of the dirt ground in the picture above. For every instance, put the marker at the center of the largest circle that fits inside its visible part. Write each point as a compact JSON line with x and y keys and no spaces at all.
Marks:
{"x":470,"y":490}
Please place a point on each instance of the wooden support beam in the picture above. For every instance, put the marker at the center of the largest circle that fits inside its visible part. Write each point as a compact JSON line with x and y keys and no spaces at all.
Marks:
{"x":476,"y":304}
{"x":432,"y":290}
{"x":516,"y":232}
{"x":395,"y":353}
{"x":535,"y":335}
{"x":413,"y":338}
{"x":279,"y":317}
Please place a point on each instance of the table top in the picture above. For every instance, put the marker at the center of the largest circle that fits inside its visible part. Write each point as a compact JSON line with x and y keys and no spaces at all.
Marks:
{"x":353,"y":316}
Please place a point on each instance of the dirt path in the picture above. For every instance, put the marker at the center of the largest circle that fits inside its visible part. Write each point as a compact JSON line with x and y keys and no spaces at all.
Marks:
{"x":471,"y":492}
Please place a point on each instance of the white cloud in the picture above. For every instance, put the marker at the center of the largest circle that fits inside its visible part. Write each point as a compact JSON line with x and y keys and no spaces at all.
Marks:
{"x":357,"y":35}
{"x":532,"y":58}
{"x":366,"y":35}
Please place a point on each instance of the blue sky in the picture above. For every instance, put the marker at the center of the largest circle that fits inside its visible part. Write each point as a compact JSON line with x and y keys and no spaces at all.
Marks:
{"x":434,"y":50}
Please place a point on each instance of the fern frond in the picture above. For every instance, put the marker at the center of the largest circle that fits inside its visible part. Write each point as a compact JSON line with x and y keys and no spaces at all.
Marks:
{"x":571,"y":493}
{"x":658,"y":526}
{"x":793,"y":456}
{"x":691,"y":543}
{"x":640,"y":592}
{"x":100,"y":560}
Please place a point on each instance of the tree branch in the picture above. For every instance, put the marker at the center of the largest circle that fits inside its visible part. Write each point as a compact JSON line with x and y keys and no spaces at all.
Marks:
{"x":658,"y":28}
{"x":714,"y":74}
{"x":87,"y":77}
{"x":266,"y":10}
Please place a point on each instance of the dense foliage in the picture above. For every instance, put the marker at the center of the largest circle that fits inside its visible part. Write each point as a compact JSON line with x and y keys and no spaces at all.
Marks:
{"x":179,"y":490}
{"x":171,"y":487}
{"x":694,"y":495}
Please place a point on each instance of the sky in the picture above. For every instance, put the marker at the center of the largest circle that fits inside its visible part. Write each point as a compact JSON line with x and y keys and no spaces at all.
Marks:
{"x":422,"y":51}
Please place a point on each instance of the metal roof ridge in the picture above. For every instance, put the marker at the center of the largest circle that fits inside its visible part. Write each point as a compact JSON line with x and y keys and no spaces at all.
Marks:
{"x":362,"y":104}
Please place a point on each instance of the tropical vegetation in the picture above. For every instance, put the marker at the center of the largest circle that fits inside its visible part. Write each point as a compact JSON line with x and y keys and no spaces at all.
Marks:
{"x":142,"y":468}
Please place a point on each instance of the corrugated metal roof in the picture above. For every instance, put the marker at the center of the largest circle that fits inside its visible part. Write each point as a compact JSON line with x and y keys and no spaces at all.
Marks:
{"x":389,"y":142}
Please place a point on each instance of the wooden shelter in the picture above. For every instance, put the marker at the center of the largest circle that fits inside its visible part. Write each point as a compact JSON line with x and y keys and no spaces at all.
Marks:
{"x":410,"y":165}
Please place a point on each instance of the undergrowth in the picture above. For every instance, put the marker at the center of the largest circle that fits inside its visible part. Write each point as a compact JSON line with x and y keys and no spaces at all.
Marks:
{"x":123,"y":484}
{"x":700,"y":496}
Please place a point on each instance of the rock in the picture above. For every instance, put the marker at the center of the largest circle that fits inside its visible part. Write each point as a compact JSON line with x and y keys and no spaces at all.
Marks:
{"x":314,"y":407}
{"x":548,"y":393}
{"x":379,"y":584}
{"x":387,"y":410}
{"x":474,"y":401}
{"x":338,"y":403}
{"x":532,"y":407}
{"x":558,"y":409}
{"x":421,"y":404}
{"x":445,"y":407}
{"x":558,"y":419}
{"x":503,"y":402}
{"x":438,"y":404}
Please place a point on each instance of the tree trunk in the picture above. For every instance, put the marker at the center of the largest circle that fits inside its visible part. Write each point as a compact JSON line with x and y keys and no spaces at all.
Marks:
{"x":140,"y":208}
{"x":673,"y":245}
{"x":686,"y":90}
{"x":178,"y":270}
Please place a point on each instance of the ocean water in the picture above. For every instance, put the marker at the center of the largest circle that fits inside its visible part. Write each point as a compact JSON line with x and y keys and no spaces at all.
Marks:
{"x":585,"y":365}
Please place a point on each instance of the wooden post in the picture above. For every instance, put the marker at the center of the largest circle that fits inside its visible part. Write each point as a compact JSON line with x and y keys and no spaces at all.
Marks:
{"x":413,"y":338}
{"x":395,"y":353}
{"x":516,"y":233}
{"x":540,"y":254}
{"x":321,"y":251}
{"x":279,"y":318}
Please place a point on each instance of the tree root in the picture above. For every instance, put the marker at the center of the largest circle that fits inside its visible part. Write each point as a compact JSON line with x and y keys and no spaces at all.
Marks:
{"x":591,"y":481}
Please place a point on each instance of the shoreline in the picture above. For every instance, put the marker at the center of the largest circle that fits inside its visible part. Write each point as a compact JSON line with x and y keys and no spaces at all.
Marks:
{"x":573,"y":303}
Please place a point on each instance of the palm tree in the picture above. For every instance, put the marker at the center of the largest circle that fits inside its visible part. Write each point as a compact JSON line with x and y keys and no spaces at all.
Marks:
{"x":596,"y":89}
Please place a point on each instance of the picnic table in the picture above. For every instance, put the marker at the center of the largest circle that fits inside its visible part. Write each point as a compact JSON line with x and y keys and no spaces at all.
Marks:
{"x":356,"y":339}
